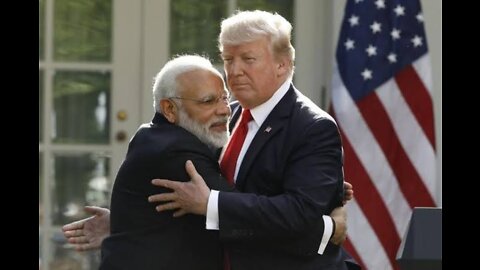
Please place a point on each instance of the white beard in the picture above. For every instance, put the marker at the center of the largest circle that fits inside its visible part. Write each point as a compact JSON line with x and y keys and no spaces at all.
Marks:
{"x":212,"y":139}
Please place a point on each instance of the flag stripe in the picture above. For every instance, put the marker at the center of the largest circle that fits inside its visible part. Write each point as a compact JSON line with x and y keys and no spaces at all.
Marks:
{"x":418,"y":98}
{"x":422,"y":67}
{"x":371,"y":203}
{"x":369,"y":154}
{"x":364,"y":239}
{"x":409,"y":181}
{"x":382,"y":101}
{"x":348,"y":245}
{"x":411,"y":136}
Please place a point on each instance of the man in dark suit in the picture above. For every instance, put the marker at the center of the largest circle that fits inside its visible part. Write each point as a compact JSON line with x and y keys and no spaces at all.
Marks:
{"x":191,"y":118}
{"x":289,"y":168}
{"x":142,"y":238}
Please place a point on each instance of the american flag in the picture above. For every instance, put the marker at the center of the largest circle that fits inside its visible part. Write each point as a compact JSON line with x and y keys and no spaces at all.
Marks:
{"x":382,"y":100}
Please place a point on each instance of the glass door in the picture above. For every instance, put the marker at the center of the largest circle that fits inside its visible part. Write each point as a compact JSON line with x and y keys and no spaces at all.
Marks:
{"x":97,"y":60}
{"x":89,"y":95}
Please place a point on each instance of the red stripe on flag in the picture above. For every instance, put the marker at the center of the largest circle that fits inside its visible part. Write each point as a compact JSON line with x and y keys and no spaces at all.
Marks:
{"x":371,"y":202}
{"x":408,"y":178}
{"x":418,"y":99}
{"x":351,"y":249}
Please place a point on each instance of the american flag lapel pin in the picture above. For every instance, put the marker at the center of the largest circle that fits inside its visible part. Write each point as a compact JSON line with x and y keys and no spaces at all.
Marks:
{"x":268,"y":129}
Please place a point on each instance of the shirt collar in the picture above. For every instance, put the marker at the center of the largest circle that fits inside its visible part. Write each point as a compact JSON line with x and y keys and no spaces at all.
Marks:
{"x":261,"y":112}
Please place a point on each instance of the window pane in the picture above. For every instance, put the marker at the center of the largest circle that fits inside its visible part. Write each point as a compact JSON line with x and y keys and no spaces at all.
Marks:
{"x":41,"y":28}
{"x":79,"y":179}
{"x":40,"y":105}
{"x":65,"y":257}
{"x":282,"y":7}
{"x":195,"y":25}
{"x":81,"y":107}
{"x":40,"y":184}
{"x":83,"y":30}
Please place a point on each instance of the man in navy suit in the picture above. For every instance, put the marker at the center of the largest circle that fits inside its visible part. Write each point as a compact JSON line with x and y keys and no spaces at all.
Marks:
{"x":190,"y":121}
{"x":290,"y":167}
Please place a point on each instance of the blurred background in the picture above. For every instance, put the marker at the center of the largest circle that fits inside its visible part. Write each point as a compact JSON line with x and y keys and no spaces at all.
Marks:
{"x":97,"y":60}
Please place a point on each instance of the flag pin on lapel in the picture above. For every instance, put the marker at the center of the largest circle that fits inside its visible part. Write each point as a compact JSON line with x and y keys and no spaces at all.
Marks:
{"x":268,"y":129}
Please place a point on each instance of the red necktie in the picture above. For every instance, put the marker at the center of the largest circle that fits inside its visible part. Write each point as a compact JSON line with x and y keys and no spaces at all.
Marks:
{"x":230,"y":157}
{"x":229,"y":160}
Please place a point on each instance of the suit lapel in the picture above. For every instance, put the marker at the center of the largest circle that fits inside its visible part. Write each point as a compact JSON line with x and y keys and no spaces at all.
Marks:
{"x":235,"y":115}
{"x":275,"y":122}
{"x":234,"y":106}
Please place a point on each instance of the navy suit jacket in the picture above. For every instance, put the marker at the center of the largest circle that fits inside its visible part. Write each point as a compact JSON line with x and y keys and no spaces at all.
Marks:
{"x":142,"y":238}
{"x":293,"y":172}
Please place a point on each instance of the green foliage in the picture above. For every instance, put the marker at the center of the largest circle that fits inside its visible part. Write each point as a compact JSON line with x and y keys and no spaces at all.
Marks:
{"x":83,"y":30}
{"x":195,"y":25}
{"x":76,"y":100}
{"x":41,"y":29}
{"x":282,"y":7}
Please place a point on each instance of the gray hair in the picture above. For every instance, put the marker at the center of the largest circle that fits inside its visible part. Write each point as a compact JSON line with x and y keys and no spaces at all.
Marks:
{"x":165,"y":83}
{"x":247,"y":26}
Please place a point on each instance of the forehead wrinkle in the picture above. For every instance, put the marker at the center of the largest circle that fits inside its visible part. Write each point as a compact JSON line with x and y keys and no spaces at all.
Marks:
{"x":196,"y":81}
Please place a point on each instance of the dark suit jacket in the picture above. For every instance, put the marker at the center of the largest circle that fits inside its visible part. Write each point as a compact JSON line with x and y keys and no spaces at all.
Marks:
{"x":293,"y":171}
{"x":141,"y":238}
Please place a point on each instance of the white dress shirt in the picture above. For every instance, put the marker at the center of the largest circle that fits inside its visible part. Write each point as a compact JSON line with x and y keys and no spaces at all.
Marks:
{"x":259,"y":114}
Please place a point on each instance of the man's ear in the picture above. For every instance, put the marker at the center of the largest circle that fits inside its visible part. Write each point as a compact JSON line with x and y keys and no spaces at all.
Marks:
{"x":169,"y":110}
{"x":283,"y":66}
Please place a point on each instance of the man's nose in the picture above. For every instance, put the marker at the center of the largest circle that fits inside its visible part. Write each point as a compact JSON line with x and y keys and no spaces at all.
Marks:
{"x":236,"y":68}
{"x":223,"y":108}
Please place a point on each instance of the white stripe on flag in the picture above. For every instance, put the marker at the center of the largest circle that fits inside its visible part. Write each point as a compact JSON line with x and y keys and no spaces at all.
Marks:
{"x":411,"y":135}
{"x":424,"y":71}
{"x":364,"y":239}
{"x":370,"y":154}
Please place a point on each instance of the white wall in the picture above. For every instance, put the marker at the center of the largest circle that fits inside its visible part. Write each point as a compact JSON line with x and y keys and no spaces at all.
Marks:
{"x":314,"y":51}
{"x":432,"y":11}
{"x":155,"y":52}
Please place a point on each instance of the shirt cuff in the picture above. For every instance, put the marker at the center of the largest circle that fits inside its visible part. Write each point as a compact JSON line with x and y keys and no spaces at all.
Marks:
{"x":327,"y":233}
{"x":212,"y":211}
